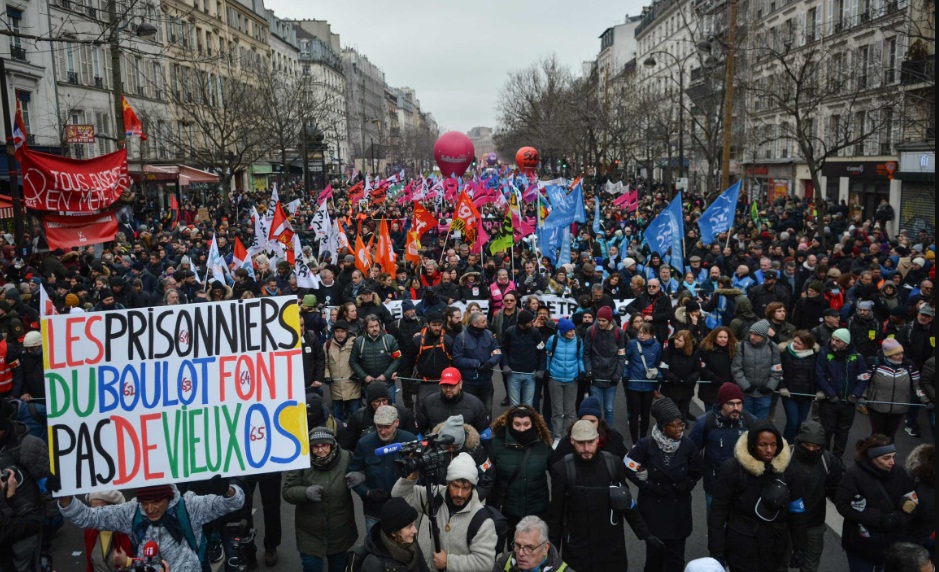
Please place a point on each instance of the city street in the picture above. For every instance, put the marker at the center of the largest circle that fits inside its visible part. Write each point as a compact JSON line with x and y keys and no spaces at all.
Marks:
{"x":69,"y":547}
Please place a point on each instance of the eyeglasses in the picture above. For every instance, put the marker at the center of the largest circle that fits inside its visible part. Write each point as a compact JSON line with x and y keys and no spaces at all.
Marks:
{"x":521,"y":549}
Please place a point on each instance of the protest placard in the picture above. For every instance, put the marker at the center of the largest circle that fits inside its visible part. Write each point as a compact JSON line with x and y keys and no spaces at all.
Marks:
{"x":175,"y":393}
{"x":559,"y":307}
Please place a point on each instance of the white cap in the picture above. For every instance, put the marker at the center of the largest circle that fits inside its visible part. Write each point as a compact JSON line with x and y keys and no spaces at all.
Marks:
{"x":919,"y":261}
{"x":462,"y":467}
{"x":629,"y":262}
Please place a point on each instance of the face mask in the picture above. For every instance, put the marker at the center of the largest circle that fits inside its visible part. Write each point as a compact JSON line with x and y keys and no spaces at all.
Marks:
{"x":526,"y":436}
{"x":836,"y":291}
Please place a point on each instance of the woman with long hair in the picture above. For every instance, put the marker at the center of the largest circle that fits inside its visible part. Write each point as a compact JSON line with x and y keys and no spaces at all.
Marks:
{"x":683,"y":372}
{"x":470,"y":308}
{"x":797,"y":387}
{"x":717,"y":353}
{"x":350,"y":313}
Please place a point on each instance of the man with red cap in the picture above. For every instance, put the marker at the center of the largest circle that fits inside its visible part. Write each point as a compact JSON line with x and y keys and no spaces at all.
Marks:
{"x":716,"y":432}
{"x":449,"y":401}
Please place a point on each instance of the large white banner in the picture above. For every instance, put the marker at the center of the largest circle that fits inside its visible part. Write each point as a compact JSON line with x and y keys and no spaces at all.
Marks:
{"x":558,"y":306}
{"x":175,"y":393}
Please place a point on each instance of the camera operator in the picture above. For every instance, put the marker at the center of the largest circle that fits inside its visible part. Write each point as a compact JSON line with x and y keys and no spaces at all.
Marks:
{"x":462,"y":549}
{"x":362,"y":422}
{"x":155,"y":515}
{"x":371,"y":475}
{"x":465,"y":440}
{"x":21,"y":517}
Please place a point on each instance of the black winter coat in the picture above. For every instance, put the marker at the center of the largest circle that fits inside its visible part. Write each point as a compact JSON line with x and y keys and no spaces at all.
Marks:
{"x":798,"y":375}
{"x":682,"y":374}
{"x":379,"y":560}
{"x":436,"y":409}
{"x":808,"y":312}
{"x":527,"y":493}
{"x":581,"y":520}
{"x":747,"y":541}
{"x":819,"y":477}
{"x":665,"y":497}
{"x":716,"y":370}
{"x":873,"y":520}
{"x":314,"y":359}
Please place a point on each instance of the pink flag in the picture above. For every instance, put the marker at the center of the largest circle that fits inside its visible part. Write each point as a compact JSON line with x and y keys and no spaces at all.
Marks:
{"x":531,"y":193}
{"x":451,"y":187}
{"x":325,"y":195}
{"x":621,"y":200}
{"x":481,"y":238}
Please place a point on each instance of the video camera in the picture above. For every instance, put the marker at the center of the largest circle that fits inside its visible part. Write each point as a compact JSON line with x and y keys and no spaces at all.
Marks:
{"x":150,"y":562}
{"x":423,"y":456}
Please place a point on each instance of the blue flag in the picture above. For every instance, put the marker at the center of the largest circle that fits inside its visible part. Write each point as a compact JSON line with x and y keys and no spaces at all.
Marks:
{"x":577,"y":196}
{"x":566,"y":208}
{"x":596,"y":216}
{"x":549,"y":239}
{"x":667,"y":231}
{"x":565,"y":256}
{"x":719,"y":217}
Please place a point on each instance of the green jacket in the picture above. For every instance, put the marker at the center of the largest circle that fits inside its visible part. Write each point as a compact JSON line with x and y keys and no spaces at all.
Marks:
{"x":528,"y":493}
{"x":327,"y":526}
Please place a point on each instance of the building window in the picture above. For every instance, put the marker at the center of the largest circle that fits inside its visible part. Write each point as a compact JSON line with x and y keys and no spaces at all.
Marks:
{"x":23,"y":98}
{"x":890,"y":60}
{"x":860,"y":130}
{"x":863,"y":52}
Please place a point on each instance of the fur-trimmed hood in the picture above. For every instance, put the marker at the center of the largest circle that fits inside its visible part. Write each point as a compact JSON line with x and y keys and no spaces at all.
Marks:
{"x":681,"y":315}
{"x":729,"y":292}
{"x":475,"y":275}
{"x":756,"y":467}
{"x":472,"y":435}
{"x":500,"y":426}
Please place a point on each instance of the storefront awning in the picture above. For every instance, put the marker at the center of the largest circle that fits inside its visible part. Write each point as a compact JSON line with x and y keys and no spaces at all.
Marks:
{"x":261,"y":168}
{"x":185,"y":174}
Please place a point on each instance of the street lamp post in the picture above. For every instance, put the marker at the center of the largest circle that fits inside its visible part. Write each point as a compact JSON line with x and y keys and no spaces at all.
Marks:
{"x":730,"y":49}
{"x":650,"y":63}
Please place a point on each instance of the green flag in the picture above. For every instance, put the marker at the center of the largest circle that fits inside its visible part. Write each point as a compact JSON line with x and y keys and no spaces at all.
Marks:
{"x":506,"y":236}
{"x":755,"y":214}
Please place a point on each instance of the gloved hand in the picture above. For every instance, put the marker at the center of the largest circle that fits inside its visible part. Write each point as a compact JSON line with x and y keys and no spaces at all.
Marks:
{"x":819,"y":395}
{"x":53,"y":483}
{"x":642,"y":475}
{"x":797,"y":560}
{"x":217,"y":486}
{"x":785,"y":393}
{"x":889,"y":522}
{"x":377,"y":495}
{"x":655,"y":542}
{"x":853,"y":398}
{"x":834,"y":399}
{"x":354,"y":479}
{"x":314,"y":493}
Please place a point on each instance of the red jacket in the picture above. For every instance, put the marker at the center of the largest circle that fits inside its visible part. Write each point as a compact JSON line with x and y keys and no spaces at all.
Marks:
{"x":118,"y":540}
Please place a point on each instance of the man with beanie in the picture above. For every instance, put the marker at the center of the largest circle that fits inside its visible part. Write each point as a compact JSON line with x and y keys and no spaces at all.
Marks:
{"x":433,"y":348}
{"x":819,"y":473}
{"x":362,"y":422}
{"x":565,"y":366}
{"x":371,"y":476}
{"x":155,"y":515}
{"x":467,"y":534}
{"x":404,"y":329}
{"x":523,"y":355}
{"x":756,"y":369}
{"x":716,"y":432}
{"x":465,"y":440}
{"x":831,"y":321}
{"x":865,"y":330}
{"x":589,"y":501}
{"x":841,"y":375}
{"x":604,"y":359}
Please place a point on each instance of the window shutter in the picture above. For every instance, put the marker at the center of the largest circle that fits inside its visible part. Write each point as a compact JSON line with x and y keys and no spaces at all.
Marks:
{"x":60,"y":59}
{"x":817,"y":31}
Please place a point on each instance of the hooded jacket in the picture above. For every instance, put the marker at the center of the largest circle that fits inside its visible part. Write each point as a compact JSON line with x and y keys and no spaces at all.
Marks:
{"x":743,"y":317}
{"x":715,"y":436}
{"x":723,"y":304}
{"x":753,"y":367}
{"x":527,"y":492}
{"x":820,"y":472}
{"x":748,"y":531}
{"x":604,"y":356}
{"x":202,"y":509}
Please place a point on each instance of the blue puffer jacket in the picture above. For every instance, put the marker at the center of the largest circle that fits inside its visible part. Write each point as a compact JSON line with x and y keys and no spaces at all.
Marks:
{"x":471,"y":351}
{"x":652,"y":351}
{"x":567,"y":362}
{"x":836,"y":373}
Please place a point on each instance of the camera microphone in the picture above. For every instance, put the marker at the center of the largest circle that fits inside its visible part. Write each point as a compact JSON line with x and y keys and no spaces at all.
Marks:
{"x":388,"y":449}
{"x":445,"y":439}
{"x":151,"y":549}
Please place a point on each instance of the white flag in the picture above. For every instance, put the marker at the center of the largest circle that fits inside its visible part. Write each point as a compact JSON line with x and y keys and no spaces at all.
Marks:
{"x":216,"y":263}
{"x":261,"y":230}
{"x":320,"y":222}
{"x":46,"y":307}
{"x":305,"y":278}
{"x":293,"y":206}
{"x":272,"y":203}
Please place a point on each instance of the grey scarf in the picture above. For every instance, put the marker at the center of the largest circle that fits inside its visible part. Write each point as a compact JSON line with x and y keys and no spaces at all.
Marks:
{"x":668,"y":446}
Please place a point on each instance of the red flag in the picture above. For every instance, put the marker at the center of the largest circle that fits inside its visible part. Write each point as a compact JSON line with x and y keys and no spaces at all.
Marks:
{"x":465,"y":217}
{"x":356,"y":192}
{"x":174,"y":211}
{"x":384,"y":253}
{"x":423,"y":220}
{"x":132,"y":125}
{"x":19,"y":128}
{"x":363,"y":261}
{"x":281,"y":230}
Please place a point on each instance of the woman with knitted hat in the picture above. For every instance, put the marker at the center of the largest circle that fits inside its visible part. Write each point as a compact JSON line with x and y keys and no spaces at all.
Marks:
{"x":893,"y":377}
{"x":392,"y":545}
{"x":666,"y":467}
{"x":102,"y":545}
{"x":325,"y":516}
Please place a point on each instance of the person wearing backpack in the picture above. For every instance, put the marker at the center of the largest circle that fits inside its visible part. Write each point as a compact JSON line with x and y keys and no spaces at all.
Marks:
{"x":819,"y":473}
{"x":589,"y":503}
{"x":375,"y":356}
{"x":467,"y":528}
{"x":565,"y":365}
{"x":604,"y":359}
{"x":159,"y":513}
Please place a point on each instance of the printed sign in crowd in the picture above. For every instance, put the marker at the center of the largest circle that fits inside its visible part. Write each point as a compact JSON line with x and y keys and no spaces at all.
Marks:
{"x":558,"y":306}
{"x":176,"y":393}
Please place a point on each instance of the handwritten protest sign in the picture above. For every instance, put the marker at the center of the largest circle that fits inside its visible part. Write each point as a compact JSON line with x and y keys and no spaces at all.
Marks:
{"x":175,"y":393}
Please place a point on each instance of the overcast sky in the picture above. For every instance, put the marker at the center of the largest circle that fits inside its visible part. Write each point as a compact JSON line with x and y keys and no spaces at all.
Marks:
{"x":457,"y":54}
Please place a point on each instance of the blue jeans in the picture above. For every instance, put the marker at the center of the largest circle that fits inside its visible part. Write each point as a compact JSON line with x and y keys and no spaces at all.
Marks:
{"x":757,"y":406}
{"x":340,"y":408}
{"x":337,"y":562}
{"x":605,"y":395}
{"x":521,"y":388}
{"x":369,"y":523}
{"x":858,"y":564}
{"x":797,"y":410}
{"x":392,"y":392}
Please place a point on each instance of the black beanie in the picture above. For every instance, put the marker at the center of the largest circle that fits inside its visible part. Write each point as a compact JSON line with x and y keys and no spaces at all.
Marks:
{"x":396,"y":514}
{"x":665,"y":411}
{"x":378,"y":390}
{"x":315,"y":413}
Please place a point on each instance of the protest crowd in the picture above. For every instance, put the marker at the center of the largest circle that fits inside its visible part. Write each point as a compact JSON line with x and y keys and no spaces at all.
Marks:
{"x":417,"y":297}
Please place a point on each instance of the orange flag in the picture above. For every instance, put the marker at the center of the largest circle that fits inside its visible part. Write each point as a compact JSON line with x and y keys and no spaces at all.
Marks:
{"x":412,"y":250}
{"x":363,"y":261}
{"x":465,"y":217}
{"x":384,"y":255}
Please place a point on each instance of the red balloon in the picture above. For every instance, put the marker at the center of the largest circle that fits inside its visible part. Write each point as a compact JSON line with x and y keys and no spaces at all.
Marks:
{"x":527,"y":158}
{"x":454,"y":152}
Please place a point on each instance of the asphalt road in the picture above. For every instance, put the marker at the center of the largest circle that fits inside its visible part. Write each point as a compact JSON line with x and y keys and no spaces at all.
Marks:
{"x":69,"y":547}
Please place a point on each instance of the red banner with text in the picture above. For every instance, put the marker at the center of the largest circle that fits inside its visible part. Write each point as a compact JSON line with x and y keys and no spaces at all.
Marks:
{"x":67,"y":231}
{"x":53,"y":183}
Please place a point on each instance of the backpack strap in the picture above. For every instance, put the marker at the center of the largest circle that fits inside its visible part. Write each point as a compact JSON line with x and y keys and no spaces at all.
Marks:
{"x":476,"y":522}
{"x":182,"y":513}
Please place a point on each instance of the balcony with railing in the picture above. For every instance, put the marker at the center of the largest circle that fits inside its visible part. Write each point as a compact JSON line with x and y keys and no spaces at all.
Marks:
{"x":99,"y":82}
{"x":72,"y":77}
{"x":913,"y":72}
{"x":18,"y":53}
